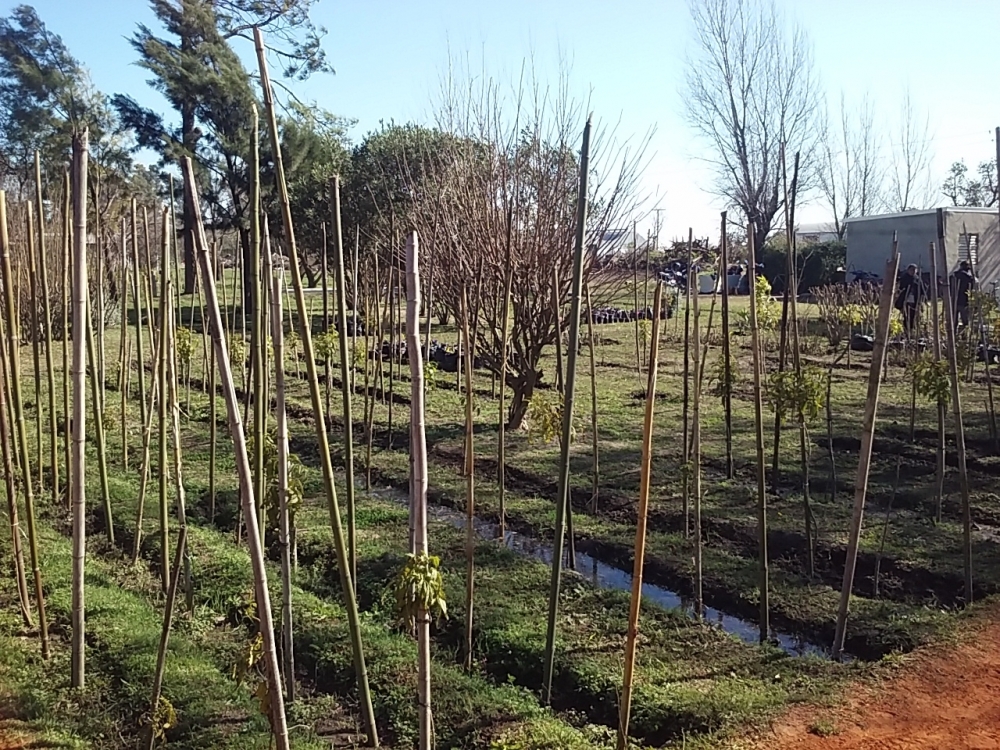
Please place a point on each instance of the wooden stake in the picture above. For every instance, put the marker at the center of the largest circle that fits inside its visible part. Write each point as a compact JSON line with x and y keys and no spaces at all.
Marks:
{"x":867,"y":438}
{"x":468,"y":349}
{"x":727,"y":370}
{"x":759,"y":430}
{"x":595,"y":485}
{"x":645,"y":477}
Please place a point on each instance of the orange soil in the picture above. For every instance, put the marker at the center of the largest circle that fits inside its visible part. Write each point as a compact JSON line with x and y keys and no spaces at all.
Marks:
{"x":947,"y":698}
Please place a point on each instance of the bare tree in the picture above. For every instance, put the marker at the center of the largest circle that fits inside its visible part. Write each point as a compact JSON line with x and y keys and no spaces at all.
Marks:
{"x":978,"y":190}
{"x":508,"y":201}
{"x":910,"y":175}
{"x":749,"y":86}
{"x":852,"y":172}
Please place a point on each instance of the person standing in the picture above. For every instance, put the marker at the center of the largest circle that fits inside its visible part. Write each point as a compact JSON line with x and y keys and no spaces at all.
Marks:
{"x":908,"y":299}
{"x":963,"y":281}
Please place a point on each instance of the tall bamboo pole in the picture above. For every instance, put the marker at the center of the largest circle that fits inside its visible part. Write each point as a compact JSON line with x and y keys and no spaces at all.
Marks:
{"x":956,"y":407}
{"x":161,"y":652}
{"x":9,"y":485}
{"x":257,"y":347}
{"x":343,"y":561}
{"x":470,"y":477}
{"x":867,"y":438}
{"x":567,"y":416}
{"x":78,"y":471}
{"x":47,"y":322}
{"x":727,"y":371}
{"x":696,"y":459}
{"x":340,"y":282}
{"x":418,"y":449}
{"x":686,"y":491}
{"x":284,"y":525}
{"x":645,"y":467}
{"x":763,"y":584}
{"x":147,"y":439}
{"x":20,"y":443}
{"x":137,"y":302}
{"x":557,"y":317}
{"x":595,"y":438}
{"x":941,"y":466}
{"x":502,"y":406}
{"x":213,"y":406}
{"x":36,"y":357}
{"x":635,"y":289}
{"x":125,"y":364}
{"x":99,"y":436}
{"x":161,"y":423}
{"x":275,"y":698}
{"x":66,"y":264}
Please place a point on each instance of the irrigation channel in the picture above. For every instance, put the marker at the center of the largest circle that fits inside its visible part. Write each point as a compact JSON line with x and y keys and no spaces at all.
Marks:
{"x":610,"y":577}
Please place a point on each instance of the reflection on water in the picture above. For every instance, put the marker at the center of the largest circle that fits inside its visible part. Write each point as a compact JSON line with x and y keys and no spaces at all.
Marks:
{"x":609,"y":577}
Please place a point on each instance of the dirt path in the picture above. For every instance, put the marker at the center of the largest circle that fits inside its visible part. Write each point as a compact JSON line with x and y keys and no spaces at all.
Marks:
{"x":946,"y":698}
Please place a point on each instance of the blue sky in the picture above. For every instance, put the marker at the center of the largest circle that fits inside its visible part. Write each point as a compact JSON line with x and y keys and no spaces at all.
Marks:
{"x":389,"y":56}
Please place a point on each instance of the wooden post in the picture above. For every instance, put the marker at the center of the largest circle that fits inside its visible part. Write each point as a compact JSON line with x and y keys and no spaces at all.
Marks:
{"x":640,"y":529}
{"x":867,"y":438}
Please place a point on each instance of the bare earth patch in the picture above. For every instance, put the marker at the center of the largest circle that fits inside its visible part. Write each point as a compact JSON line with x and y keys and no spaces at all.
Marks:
{"x":946,"y":697}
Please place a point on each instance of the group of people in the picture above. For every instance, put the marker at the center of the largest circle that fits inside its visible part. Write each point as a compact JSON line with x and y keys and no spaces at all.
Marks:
{"x":910,"y":295}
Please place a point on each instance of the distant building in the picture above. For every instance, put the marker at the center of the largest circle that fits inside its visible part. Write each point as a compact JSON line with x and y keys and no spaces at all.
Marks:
{"x":969,"y":234}
{"x":806,"y":234}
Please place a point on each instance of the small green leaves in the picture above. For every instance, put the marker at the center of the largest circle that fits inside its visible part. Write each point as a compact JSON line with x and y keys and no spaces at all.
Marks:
{"x":420,"y":587}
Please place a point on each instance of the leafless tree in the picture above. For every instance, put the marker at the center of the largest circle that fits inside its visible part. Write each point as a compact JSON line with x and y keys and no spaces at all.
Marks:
{"x":749,"y":86}
{"x":852,"y":172}
{"x":510,"y":182}
{"x":910,"y":175}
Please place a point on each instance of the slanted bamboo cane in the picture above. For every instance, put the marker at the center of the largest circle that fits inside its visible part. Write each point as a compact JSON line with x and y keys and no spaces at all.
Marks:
{"x":257,"y":347}
{"x":941,"y":466}
{"x":213,"y":413}
{"x":595,"y":439}
{"x":354,"y":624}
{"x":645,"y":467}
{"x":161,"y":421}
{"x":67,"y":262}
{"x":125,"y":364}
{"x":867,"y":438}
{"x":562,"y":499}
{"x":275,"y":697}
{"x":35,"y":353}
{"x":147,"y":439}
{"x":137,"y":302}
{"x":102,"y":456}
{"x":502,"y":407}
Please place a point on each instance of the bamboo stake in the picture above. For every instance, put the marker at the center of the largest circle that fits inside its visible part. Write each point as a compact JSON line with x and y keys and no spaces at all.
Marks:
{"x":12,"y":512}
{"x":346,"y":579}
{"x":354,"y":309}
{"x":275,"y":698}
{"x":125,"y":361}
{"x":759,"y":430}
{"x":213,"y":413}
{"x":147,"y":439}
{"x":418,"y":449}
{"x":370,"y":383}
{"x":102,"y":369}
{"x":257,"y":347}
{"x":138,"y":315}
{"x":867,"y":438}
{"x":47,"y":317}
{"x":689,"y":280}
{"x":102,"y":456}
{"x":956,"y":406}
{"x":470,"y":479}
{"x":161,"y":652}
{"x":567,"y":417}
{"x":595,"y":486}
{"x":78,"y":470}
{"x":20,"y":443}
{"x":640,"y":529}
{"x":557,"y":316}
{"x":635,"y":288}
{"x":67,"y":262}
{"x":502,"y":407}
{"x":696,"y":461}
{"x":727,"y":386}
{"x":36,"y":354}
{"x":340,"y":282}
{"x":325,"y":327}
{"x":940,"y":467}
{"x":161,"y":422}
{"x":281,"y":418}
